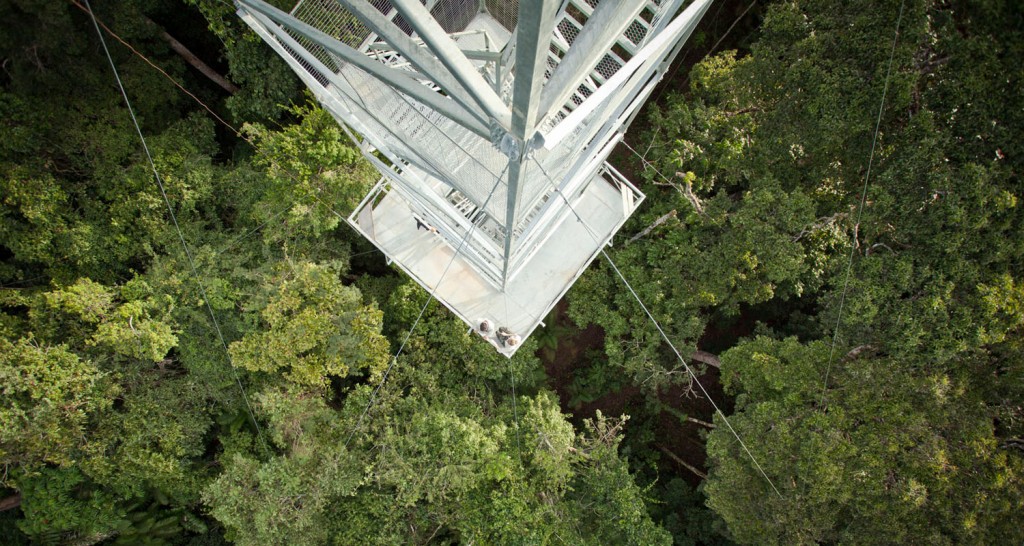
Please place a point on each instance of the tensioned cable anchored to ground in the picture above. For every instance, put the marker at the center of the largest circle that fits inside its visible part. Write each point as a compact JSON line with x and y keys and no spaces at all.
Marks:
{"x":177,"y":228}
{"x":665,"y":337}
{"x":860,"y":209}
{"x":430,"y":298}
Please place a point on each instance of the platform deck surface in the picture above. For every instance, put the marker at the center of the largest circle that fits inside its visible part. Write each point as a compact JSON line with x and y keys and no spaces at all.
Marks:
{"x":531,"y":294}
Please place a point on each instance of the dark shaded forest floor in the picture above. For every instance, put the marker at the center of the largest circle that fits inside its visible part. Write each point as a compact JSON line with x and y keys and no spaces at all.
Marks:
{"x":684,"y":439}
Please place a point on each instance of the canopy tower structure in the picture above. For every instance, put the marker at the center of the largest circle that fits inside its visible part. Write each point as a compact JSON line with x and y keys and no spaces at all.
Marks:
{"x":490,"y":122}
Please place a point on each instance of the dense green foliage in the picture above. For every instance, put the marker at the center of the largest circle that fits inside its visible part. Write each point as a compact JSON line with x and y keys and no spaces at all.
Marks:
{"x":147,"y":403}
{"x":916,"y":437}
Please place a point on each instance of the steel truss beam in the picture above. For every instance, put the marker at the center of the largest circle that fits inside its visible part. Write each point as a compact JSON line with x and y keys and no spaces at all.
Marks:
{"x":604,"y":27}
{"x":399,"y":80}
{"x":533,"y":35}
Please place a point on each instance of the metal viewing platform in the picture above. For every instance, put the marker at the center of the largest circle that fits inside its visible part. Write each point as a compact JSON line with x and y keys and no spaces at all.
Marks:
{"x":490,"y":122}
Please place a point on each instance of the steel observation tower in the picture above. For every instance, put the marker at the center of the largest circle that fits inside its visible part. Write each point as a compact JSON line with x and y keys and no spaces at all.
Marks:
{"x":490,"y":122}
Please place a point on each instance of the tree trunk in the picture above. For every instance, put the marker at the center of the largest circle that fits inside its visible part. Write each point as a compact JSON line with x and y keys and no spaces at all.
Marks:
{"x":648,"y":229}
{"x":700,"y":422}
{"x":191,"y":59}
{"x":11,"y":502}
{"x":1013,"y":443}
{"x":686,"y":191}
{"x":178,"y":48}
{"x":857,"y":351}
{"x":682,"y":463}
{"x":706,"y":358}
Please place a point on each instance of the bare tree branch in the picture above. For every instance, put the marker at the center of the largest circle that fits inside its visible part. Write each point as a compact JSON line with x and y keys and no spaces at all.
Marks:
{"x":746,"y":110}
{"x":1013,"y":443}
{"x":857,"y":351}
{"x":819,"y":224}
{"x":705,"y":357}
{"x":664,"y":218}
{"x":191,"y":59}
{"x":700,"y":422}
{"x":681,"y":462}
{"x":687,"y":192}
{"x":11,"y":502}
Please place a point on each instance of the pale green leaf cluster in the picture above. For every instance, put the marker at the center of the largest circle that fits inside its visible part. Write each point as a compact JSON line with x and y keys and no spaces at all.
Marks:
{"x":317,"y":328}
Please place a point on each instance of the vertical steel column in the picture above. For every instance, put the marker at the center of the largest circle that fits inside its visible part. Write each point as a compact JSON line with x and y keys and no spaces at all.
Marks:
{"x":533,"y":35}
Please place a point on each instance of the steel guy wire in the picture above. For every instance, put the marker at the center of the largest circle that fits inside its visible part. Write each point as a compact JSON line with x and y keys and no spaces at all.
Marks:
{"x":151,"y":63}
{"x":174,"y":220}
{"x":512,"y":376}
{"x":430,"y":298}
{"x":661,"y":331}
{"x":219,"y":119}
{"x":88,"y":9}
{"x":860,"y":208}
